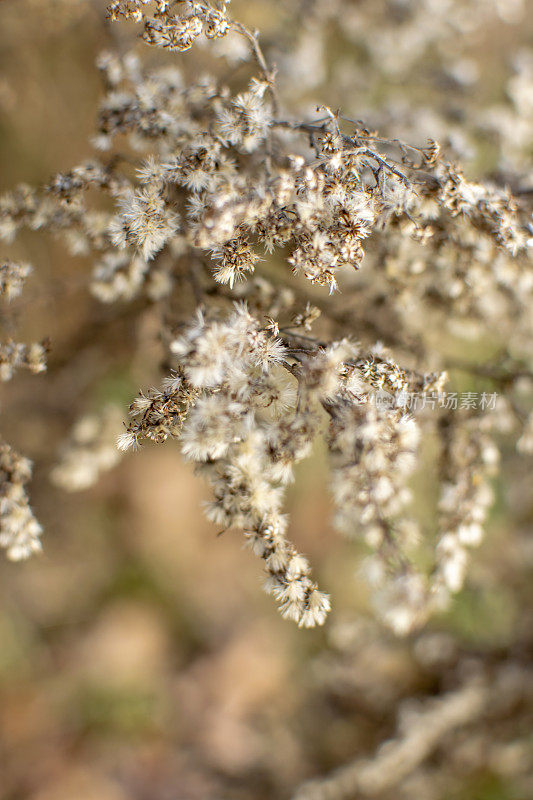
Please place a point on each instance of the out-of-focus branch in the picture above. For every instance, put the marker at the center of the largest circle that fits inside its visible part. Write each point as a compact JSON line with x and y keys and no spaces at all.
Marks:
{"x":399,"y":757}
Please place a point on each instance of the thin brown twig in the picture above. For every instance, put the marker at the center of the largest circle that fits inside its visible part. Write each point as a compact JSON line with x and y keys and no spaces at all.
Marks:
{"x":269,"y":73}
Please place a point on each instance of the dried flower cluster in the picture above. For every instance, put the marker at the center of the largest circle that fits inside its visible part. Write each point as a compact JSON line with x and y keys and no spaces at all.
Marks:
{"x":19,"y":530}
{"x":232,"y":404}
{"x":12,"y":277}
{"x":228,"y":180}
{"x":15,"y":355}
{"x":90,"y":450}
{"x":164,"y":28}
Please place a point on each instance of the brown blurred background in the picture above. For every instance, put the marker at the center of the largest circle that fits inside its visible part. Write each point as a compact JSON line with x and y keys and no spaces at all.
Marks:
{"x":139,"y":658}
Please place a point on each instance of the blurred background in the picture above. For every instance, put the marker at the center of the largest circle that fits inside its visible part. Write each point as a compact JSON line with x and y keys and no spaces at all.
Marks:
{"x":139,"y":658}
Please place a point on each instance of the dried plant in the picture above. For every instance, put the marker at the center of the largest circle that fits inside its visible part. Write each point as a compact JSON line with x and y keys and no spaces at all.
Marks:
{"x":249,"y":203}
{"x":19,"y":530}
{"x":333,"y":263}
